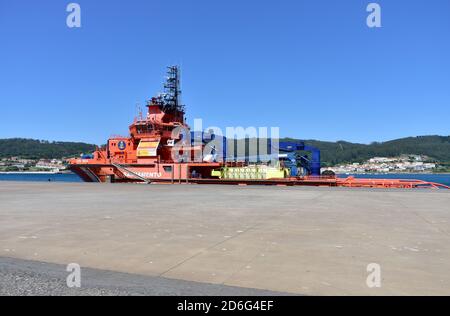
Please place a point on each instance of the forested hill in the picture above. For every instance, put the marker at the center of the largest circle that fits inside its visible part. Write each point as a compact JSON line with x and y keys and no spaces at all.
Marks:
{"x":436,"y":147}
{"x":38,"y":149}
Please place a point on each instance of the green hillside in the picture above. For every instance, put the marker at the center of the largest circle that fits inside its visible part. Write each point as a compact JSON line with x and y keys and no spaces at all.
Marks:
{"x":435,"y":147}
{"x":37,"y":149}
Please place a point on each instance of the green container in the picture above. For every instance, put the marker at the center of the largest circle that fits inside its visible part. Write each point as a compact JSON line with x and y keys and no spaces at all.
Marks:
{"x":252,"y":172}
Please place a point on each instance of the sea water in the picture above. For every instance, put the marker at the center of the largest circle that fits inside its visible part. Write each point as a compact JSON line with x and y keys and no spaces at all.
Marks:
{"x":71,"y":177}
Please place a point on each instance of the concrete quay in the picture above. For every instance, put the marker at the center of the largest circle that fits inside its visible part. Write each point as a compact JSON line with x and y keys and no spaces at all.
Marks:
{"x":301,"y":240}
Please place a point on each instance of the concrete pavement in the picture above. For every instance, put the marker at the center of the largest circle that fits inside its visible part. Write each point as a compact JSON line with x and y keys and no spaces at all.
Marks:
{"x":315,"y":241}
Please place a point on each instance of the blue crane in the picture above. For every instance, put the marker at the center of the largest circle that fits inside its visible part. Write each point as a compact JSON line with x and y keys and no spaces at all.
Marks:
{"x":288,"y":153}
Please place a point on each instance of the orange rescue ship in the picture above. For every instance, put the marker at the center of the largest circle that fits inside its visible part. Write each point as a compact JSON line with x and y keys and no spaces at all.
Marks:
{"x":151,"y":155}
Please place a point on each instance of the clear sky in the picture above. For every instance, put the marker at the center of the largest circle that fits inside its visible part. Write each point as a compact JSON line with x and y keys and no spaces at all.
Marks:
{"x":313,"y":67}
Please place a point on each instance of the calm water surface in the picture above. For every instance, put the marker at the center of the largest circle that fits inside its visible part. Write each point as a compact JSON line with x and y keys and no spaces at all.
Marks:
{"x":70,"y":177}
{"x":66,"y":177}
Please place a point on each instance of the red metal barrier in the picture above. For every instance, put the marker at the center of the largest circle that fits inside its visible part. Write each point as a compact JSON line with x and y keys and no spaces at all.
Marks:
{"x":353,"y":182}
{"x":349,"y":182}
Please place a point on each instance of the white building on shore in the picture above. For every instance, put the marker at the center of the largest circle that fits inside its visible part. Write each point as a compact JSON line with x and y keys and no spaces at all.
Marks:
{"x":413,"y":163}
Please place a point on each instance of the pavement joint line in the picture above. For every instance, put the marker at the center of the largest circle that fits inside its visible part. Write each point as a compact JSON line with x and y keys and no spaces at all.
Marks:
{"x":206,"y":249}
{"x":220,"y":243}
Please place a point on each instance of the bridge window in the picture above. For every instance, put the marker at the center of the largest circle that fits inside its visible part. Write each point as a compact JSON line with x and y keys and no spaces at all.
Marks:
{"x":167,"y":168}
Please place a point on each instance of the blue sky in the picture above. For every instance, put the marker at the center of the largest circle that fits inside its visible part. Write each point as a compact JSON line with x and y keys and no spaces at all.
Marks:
{"x":313,"y":68}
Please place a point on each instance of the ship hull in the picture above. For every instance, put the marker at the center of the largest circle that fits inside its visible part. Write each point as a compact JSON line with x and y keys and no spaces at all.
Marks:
{"x":174,"y":172}
{"x":183,"y":173}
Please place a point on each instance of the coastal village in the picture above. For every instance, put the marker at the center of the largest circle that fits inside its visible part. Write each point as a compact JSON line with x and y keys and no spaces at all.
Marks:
{"x":17,"y":164}
{"x":401,"y":164}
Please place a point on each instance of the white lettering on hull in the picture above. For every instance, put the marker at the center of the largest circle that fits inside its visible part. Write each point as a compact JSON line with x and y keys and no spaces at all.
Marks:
{"x":150,"y":175}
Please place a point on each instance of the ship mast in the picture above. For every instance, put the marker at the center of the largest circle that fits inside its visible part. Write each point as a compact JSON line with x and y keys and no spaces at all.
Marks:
{"x":172,"y":93}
